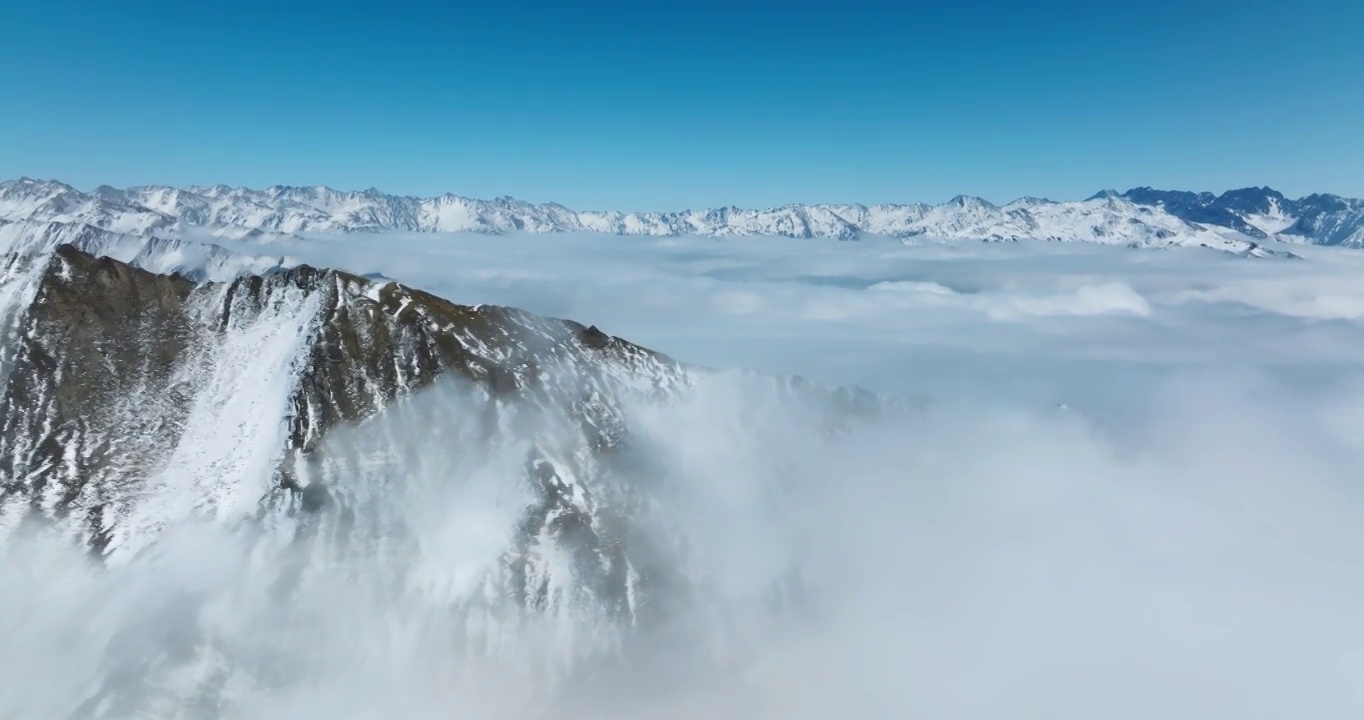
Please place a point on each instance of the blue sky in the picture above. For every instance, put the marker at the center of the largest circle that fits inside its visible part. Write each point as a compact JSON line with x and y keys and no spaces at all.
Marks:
{"x":670,"y":105}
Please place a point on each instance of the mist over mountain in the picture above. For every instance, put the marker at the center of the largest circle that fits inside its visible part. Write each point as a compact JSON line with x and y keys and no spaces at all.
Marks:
{"x":301,"y":410}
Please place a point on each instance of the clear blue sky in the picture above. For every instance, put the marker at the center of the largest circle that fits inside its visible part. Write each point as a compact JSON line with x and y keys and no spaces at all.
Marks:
{"x":665,"y":105}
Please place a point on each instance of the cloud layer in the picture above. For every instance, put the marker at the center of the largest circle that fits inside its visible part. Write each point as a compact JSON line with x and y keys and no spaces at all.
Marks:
{"x":1134,"y":493}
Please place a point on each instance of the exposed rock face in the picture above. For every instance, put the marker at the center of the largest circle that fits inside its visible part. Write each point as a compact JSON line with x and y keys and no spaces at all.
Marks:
{"x":118,"y":374}
{"x":294,"y":401}
{"x":100,"y":337}
{"x":337,"y":428}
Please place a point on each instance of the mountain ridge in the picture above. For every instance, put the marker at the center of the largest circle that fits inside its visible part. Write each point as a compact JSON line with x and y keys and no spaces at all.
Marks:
{"x":1237,"y":221}
{"x":312,"y":419}
{"x":118,"y":380}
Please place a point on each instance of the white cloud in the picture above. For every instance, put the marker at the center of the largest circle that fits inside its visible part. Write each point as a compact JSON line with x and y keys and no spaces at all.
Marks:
{"x":1182,"y":541}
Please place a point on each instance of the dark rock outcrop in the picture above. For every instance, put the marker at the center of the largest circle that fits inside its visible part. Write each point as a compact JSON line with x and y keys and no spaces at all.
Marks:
{"x":110,"y":361}
{"x":304,"y":402}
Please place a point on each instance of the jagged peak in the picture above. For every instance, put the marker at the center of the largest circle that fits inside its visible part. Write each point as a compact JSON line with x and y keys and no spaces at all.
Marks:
{"x":1324,"y":197}
{"x":51,"y":184}
{"x":1252,"y":189}
{"x":970,"y":201}
{"x":1029,"y":201}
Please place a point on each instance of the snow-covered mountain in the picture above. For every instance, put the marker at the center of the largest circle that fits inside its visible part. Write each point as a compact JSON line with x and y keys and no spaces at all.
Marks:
{"x":1237,"y":221}
{"x":488,"y":463}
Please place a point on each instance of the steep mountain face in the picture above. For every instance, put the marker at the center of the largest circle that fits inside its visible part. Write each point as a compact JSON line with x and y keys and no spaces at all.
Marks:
{"x":480,"y":461}
{"x":1236,"y":221}
{"x":124,"y":382}
{"x":303,"y":405}
{"x":1263,"y":213}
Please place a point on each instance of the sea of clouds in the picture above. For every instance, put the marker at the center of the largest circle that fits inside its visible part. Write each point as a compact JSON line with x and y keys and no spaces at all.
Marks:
{"x":1136,"y":491}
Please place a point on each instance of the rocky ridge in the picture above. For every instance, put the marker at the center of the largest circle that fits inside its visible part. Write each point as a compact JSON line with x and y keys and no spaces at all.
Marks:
{"x":136,"y":401}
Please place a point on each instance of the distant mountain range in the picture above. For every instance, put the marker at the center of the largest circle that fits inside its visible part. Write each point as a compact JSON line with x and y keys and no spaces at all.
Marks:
{"x":1239,"y":221}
